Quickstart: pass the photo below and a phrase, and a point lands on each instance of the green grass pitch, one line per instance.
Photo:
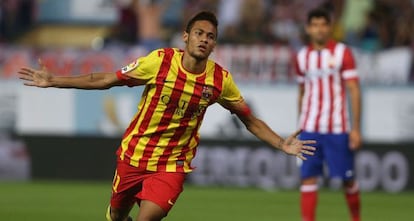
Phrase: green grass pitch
(69, 201)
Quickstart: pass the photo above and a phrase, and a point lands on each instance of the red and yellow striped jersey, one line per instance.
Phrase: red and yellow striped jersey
(163, 134)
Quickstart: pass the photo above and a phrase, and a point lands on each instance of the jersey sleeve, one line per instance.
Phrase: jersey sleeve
(143, 68)
(230, 92)
(349, 71)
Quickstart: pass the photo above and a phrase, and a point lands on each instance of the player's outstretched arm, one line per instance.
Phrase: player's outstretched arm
(261, 130)
(43, 78)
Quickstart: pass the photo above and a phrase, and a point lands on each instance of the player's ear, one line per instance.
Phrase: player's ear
(185, 37)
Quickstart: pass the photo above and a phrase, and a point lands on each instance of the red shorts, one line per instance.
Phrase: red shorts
(131, 186)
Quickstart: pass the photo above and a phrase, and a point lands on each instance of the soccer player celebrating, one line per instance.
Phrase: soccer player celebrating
(326, 70)
(157, 148)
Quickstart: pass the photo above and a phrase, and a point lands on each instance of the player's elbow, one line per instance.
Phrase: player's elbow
(105, 82)
(106, 85)
(97, 85)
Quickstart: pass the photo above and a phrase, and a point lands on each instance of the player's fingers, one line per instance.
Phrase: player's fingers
(31, 84)
(42, 66)
(300, 156)
(311, 148)
(307, 152)
(25, 77)
(28, 70)
(22, 71)
(24, 74)
(308, 141)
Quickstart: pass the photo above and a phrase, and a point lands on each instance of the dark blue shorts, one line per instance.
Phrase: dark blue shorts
(333, 151)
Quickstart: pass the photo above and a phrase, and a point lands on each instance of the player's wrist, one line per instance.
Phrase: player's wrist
(282, 145)
(52, 81)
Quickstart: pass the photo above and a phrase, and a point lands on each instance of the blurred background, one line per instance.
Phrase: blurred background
(72, 135)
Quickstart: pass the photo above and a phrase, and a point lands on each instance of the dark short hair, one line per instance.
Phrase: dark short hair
(319, 13)
(202, 16)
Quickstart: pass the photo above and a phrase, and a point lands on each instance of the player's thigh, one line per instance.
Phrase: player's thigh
(163, 189)
(339, 157)
(150, 211)
(313, 166)
(126, 185)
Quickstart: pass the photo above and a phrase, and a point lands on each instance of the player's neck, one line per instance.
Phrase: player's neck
(193, 65)
(319, 45)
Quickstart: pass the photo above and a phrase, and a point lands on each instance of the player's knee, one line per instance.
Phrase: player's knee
(116, 216)
(151, 216)
(348, 183)
(151, 211)
(310, 181)
(147, 218)
(351, 186)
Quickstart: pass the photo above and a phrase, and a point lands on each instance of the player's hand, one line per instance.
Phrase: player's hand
(355, 140)
(299, 148)
(37, 78)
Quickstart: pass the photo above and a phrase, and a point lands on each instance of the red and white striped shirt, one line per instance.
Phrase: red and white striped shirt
(323, 74)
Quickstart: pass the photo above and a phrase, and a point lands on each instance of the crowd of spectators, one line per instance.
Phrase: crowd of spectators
(370, 24)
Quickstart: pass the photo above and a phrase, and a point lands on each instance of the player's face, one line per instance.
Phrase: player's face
(201, 40)
(319, 30)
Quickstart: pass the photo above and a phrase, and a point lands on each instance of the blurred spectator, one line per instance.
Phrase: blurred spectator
(126, 29)
(354, 18)
(370, 25)
(252, 28)
(388, 24)
(173, 17)
(229, 16)
(16, 17)
(150, 13)
(140, 22)
(173, 21)
(302, 8)
(336, 8)
(404, 20)
(370, 35)
(284, 25)
(193, 6)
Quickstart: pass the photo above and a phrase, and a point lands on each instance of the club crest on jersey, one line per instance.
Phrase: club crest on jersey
(129, 67)
(207, 92)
